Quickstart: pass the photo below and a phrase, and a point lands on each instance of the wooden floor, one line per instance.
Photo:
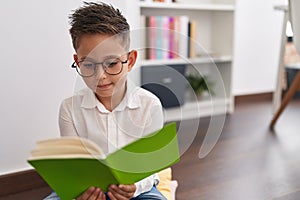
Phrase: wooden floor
(248, 162)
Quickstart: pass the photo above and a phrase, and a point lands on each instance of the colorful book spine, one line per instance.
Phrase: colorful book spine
(159, 37)
(168, 37)
(176, 36)
(171, 37)
(192, 38)
(152, 37)
(183, 39)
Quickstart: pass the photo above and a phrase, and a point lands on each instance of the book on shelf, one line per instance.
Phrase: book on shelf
(171, 47)
(184, 36)
(167, 37)
(159, 38)
(150, 38)
(192, 32)
(70, 165)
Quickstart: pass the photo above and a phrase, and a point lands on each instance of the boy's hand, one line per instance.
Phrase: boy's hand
(92, 194)
(121, 192)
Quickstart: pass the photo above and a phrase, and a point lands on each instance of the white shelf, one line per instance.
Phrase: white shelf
(215, 22)
(190, 110)
(202, 60)
(183, 6)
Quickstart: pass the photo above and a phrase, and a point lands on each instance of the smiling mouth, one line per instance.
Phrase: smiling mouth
(104, 86)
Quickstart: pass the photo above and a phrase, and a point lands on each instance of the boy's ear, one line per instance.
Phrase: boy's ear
(132, 59)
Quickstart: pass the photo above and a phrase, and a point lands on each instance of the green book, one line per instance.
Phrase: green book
(70, 165)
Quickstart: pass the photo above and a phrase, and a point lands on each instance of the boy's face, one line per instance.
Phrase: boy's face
(104, 49)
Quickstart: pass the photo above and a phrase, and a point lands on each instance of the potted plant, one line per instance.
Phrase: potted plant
(200, 85)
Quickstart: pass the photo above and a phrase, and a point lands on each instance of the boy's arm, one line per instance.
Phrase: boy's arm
(155, 118)
(156, 122)
(66, 124)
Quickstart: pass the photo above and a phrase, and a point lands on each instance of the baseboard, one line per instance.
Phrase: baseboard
(20, 182)
(253, 98)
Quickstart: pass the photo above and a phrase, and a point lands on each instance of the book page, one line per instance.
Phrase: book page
(66, 147)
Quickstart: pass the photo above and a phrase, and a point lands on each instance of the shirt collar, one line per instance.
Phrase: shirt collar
(130, 100)
(89, 99)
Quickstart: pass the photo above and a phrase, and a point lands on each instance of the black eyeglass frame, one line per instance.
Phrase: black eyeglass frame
(74, 65)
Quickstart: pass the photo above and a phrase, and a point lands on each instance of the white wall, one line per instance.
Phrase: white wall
(257, 41)
(35, 59)
(36, 55)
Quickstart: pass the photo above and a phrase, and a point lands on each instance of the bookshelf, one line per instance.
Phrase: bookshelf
(185, 6)
(214, 37)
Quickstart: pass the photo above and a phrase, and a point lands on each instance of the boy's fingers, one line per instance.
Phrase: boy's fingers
(92, 194)
(116, 190)
(111, 196)
(96, 195)
(116, 196)
(118, 193)
(128, 188)
(102, 196)
(86, 194)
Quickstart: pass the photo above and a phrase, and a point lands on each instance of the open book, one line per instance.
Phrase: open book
(70, 165)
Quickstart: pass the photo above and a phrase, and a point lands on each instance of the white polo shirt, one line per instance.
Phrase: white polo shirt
(138, 114)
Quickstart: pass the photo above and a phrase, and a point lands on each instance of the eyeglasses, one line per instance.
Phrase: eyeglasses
(88, 68)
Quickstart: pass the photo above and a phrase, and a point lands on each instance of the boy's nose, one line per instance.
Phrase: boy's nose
(100, 73)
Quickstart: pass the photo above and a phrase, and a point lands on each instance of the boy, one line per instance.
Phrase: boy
(110, 111)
